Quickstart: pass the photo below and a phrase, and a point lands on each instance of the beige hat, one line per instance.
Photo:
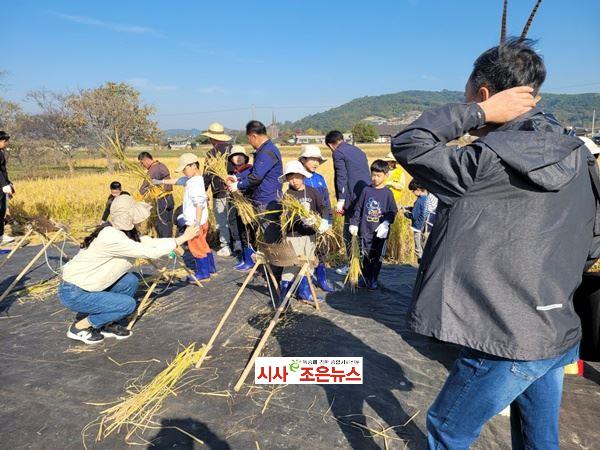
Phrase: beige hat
(238, 150)
(125, 212)
(185, 160)
(294, 167)
(390, 157)
(216, 131)
(591, 145)
(312, 151)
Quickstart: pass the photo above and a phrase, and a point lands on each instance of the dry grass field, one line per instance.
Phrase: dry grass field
(78, 201)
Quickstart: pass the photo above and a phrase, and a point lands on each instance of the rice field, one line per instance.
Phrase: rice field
(78, 201)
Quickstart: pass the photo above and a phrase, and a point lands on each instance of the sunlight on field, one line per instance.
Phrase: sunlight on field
(79, 201)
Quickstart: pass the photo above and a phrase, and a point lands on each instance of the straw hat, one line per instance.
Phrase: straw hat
(216, 131)
(185, 160)
(125, 212)
(389, 157)
(312, 151)
(238, 150)
(294, 167)
(591, 145)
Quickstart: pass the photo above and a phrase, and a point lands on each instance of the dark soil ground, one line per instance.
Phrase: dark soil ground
(46, 380)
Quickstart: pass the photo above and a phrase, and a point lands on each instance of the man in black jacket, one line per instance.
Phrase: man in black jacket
(6, 186)
(515, 231)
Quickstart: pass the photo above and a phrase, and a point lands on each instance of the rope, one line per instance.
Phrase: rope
(169, 283)
(60, 264)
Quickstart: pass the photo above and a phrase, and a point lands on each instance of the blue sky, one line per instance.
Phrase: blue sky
(202, 61)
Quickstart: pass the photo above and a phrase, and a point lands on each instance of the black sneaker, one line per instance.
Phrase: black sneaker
(87, 335)
(115, 330)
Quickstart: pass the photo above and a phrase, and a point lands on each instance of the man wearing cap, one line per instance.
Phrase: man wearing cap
(220, 146)
(164, 204)
(263, 180)
(352, 175)
(7, 188)
(311, 158)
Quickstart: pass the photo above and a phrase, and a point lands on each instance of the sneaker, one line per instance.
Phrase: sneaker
(343, 270)
(237, 247)
(88, 335)
(6, 239)
(224, 251)
(115, 330)
(372, 285)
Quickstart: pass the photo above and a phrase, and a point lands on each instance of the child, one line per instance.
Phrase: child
(194, 213)
(241, 169)
(311, 159)
(115, 191)
(397, 179)
(375, 211)
(418, 216)
(301, 233)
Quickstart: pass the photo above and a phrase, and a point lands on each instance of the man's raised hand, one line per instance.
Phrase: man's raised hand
(509, 104)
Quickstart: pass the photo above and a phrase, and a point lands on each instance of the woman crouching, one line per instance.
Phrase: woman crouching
(97, 283)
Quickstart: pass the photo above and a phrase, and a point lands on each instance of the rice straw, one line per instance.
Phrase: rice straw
(354, 272)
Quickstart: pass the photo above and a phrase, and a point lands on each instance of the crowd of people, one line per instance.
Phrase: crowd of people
(515, 227)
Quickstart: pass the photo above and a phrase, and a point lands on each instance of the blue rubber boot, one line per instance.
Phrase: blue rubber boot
(284, 287)
(202, 268)
(322, 282)
(247, 262)
(304, 293)
(212, 264)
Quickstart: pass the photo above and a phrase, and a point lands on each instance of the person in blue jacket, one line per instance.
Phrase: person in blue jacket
(311, 159)
(263, 180)
(352, 175)
(418, 216)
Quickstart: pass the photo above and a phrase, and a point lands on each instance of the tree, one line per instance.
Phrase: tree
(364, 132)
(114, 108)
(312, 132)
(57, 126)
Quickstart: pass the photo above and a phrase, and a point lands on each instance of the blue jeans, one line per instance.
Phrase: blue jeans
(481, 386)
(102, 307)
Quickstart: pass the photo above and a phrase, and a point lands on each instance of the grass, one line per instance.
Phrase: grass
(78, 201)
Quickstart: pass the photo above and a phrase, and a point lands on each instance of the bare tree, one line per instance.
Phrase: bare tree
(56, 126)
(114, 108)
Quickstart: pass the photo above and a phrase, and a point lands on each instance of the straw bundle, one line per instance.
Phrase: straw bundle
(354, 272)
(41, 290)
(135, 411)
(217, 165)
(293, 210)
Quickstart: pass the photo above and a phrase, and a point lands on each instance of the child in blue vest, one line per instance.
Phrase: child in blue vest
(374, 213)
(311, 159)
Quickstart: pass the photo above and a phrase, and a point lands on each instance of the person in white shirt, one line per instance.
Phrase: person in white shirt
(98, 283)
(194, 213)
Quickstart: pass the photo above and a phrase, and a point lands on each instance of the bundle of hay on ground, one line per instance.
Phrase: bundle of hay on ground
(354, 272)
(217, 165)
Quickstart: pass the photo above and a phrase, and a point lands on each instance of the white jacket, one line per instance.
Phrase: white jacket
(109, 257)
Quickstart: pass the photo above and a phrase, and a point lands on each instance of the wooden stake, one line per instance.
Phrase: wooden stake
(31, 263)
(313, 292)
(17, 246)
(146, 300)
(44, 236)
(227, 313)
(274, 320)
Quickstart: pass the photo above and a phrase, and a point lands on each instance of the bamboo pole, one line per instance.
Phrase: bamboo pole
(274, 320)
(313, 292)
(60, 250)
(16, 247)
(31, 263)
(146, 299)
(227, 313)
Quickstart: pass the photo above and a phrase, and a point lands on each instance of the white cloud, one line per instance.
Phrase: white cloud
(119, 27)
(212, 90)
(147, 85)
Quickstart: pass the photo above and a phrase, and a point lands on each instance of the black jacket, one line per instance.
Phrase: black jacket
(4, 180)
(513, 235)
(219, 190)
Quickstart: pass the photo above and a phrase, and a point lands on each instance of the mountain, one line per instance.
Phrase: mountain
(182, 132)
(570, 109)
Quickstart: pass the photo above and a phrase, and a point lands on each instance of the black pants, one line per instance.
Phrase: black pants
(164, 221)
(371, 262)
(3, 200)
(232, 217)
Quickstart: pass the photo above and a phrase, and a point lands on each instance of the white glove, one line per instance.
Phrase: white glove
(323, 227)
(339, 207)
(353, 230)
(308, 221)
(233, 187)
(7, 189)
(383, 230)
